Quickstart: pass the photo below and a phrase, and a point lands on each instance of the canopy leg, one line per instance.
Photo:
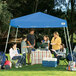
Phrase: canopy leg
(16, 34)
(66, 37)
(7, 39)
(69, 42)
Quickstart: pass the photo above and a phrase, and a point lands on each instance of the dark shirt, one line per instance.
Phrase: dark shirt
(31, 38)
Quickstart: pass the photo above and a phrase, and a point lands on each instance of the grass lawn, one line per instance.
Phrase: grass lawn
(38, 70)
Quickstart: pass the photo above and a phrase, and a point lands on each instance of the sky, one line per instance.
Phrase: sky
(62, 6)
(67, 1)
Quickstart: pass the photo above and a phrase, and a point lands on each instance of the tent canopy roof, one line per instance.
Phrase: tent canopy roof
(38, 20)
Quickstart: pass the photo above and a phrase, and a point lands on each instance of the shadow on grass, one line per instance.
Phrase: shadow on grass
(39, 68)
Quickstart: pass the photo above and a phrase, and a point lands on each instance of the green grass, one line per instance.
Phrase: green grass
(38, 70)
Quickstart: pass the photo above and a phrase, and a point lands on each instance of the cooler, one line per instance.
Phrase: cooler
(49, 62)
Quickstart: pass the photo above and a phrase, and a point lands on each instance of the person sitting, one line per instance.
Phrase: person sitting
(61, 53)
(46, 42)
(72, 56)
(14, 55)
(24, 48)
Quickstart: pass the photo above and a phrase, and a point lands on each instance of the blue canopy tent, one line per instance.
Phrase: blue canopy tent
(38, 20)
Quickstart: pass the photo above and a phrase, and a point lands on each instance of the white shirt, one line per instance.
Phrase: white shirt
(63, 54)
(60, 53)
(46, 42)
(13, 52)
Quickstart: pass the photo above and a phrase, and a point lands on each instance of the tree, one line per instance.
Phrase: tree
(5, 17)
(69, 15)
(20, 7)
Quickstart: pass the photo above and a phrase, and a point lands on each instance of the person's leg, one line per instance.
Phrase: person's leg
(55, 55)
(58, 59)
(29, 53)
(23, 59)
(17, 58)
(28, 58)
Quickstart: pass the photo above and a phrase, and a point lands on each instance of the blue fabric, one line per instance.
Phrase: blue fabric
(18, 51)
(24, 58)
(3, 58)
(38, 20)
(69, 57)
(19, 58)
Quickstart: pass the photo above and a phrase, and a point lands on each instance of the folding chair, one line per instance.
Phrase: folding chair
(65, 59)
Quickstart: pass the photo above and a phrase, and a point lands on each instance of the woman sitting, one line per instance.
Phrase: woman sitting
(14, 55)
(46, 42)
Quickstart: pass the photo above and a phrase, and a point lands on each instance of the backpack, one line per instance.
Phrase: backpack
(71, 66)
(7, 64)
(3, 58)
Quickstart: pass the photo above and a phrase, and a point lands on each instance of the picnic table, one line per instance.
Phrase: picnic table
(37, 56)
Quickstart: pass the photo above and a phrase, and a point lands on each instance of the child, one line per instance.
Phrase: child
(60, 53)
(14, 55)
(63, 50)
(24, 48)
(46, 41)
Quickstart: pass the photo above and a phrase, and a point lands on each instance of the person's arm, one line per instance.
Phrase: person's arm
(10, 52)
(58, 42)
(34, 42)
(16, 53)
(28, 40)
(64, 50)
(29, 43)
(25, 46)
(52, 41)
(48, 44)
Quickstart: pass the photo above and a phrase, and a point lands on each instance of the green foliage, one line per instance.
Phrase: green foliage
(5, 17)
(20, 7)
(16, 8)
